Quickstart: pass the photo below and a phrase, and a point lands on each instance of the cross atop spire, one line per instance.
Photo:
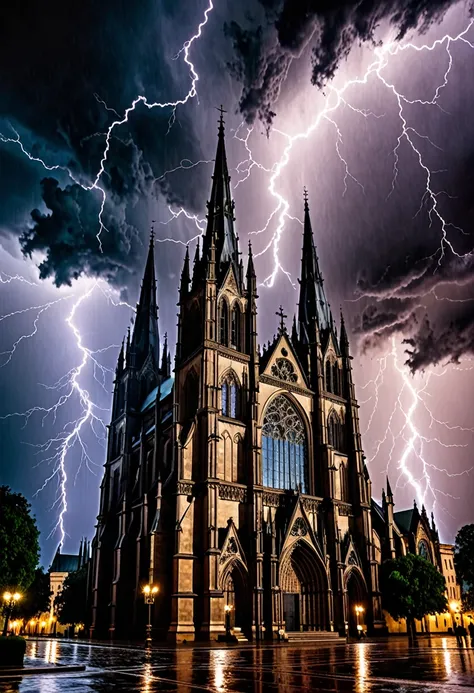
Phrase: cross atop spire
(221, 119)
(282, 316)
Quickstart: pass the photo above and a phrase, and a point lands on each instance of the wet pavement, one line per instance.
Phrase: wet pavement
(367, 667)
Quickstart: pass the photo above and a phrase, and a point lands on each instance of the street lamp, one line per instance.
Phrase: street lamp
(149, 594)
(359, 611)
(227, 608)
(454, 606)
(10, 599)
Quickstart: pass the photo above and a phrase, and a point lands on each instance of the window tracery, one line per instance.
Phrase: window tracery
(284, 447)
(235, 327)
(284, 370)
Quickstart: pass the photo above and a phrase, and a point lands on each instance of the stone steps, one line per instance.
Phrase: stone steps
(312, 636)
(238, 635)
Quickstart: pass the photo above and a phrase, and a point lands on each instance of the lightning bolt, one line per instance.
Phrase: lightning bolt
(121, 120)
(414, 441)
(335, 100)
(54, 451)
(69, 386)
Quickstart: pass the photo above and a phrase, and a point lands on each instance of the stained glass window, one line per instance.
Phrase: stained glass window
(284, 448)
(423, 550)
(229, 397)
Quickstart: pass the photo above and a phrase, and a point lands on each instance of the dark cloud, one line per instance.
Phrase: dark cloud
(264, 52)
(58, 68)
(442, 343)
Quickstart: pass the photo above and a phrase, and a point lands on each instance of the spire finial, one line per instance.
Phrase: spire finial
(282, 317)
(221, 118)
(152, 233)
(305, 198)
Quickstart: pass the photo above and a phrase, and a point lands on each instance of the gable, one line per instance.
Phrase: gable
(282, 363)
(229, 285)
(299, 529)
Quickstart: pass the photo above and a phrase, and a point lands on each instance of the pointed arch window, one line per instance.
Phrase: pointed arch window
(191, 395)
(284, 447)
(335, 432)
(223, 323)
(229, 397)
(328, 376)
(235, 327)
(336, 379)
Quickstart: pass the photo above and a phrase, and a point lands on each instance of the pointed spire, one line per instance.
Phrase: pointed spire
(343, 339)
(80, 561)
(185, 275)
(313, 304)
(145, 338)
(220, 210)
(294, 332)
(164, 358)
(120, 361)
(250, 266)
(127, 351)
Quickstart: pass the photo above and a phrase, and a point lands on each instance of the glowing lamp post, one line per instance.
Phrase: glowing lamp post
(149, 594)
(227, 608)
(454, 606)
(10, 599)
(359, 610)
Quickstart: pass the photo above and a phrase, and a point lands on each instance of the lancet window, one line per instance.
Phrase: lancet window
(223, 323)
(229, 396)
(335, 432)
(235, 327)
(284, 447)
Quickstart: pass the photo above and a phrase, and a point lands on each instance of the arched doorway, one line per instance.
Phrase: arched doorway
(304, 588)
(356, 602)
(236, 595)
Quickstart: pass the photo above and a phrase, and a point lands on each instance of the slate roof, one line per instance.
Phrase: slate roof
(166, 388)
(64, 563)
(404, 519)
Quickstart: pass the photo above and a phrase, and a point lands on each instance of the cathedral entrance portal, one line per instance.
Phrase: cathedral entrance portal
(236, 597)
(304, 587)
(356, 603)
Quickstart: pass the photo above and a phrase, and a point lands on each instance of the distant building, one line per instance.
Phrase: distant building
(238, 482)
(62, 565)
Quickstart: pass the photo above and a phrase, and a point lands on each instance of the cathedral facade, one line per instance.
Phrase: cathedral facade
(237, 484)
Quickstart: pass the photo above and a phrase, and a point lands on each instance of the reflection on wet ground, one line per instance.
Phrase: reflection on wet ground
(368, 667)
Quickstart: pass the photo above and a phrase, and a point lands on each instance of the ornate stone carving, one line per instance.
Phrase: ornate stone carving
(310, 505)
(344, 509)
(284, 370)
(352, 560)
(272, 499)
(231, 549)
(185, 489)
(299, 528)
(234, 493)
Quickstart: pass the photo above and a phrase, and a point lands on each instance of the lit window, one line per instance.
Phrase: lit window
(284, 449)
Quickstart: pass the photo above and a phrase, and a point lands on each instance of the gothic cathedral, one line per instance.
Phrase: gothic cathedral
(239, 481)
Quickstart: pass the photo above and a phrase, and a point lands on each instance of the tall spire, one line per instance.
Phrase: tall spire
(185, 275)
(220, 211)
(120, 361)
(343, 339)
(145, 338)
(313, 304)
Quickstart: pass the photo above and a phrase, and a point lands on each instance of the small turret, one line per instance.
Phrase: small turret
(185, 276)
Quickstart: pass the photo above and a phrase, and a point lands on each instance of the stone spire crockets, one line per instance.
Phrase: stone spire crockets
(313, 304)
(146, 339)
(220, 212)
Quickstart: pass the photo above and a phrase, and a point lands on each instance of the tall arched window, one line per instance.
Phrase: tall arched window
(224, 323)
(328, 376)
(335, 432)
(191, 395)
(284, 447)
(336, 379)
(229, 397)
(235, 327)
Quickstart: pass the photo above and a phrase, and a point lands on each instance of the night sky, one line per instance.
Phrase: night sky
(339, 97)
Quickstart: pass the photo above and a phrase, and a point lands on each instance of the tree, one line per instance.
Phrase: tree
(19, 546)
(71, 602)
(412, 588)
(37, 598)
(464, 555)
